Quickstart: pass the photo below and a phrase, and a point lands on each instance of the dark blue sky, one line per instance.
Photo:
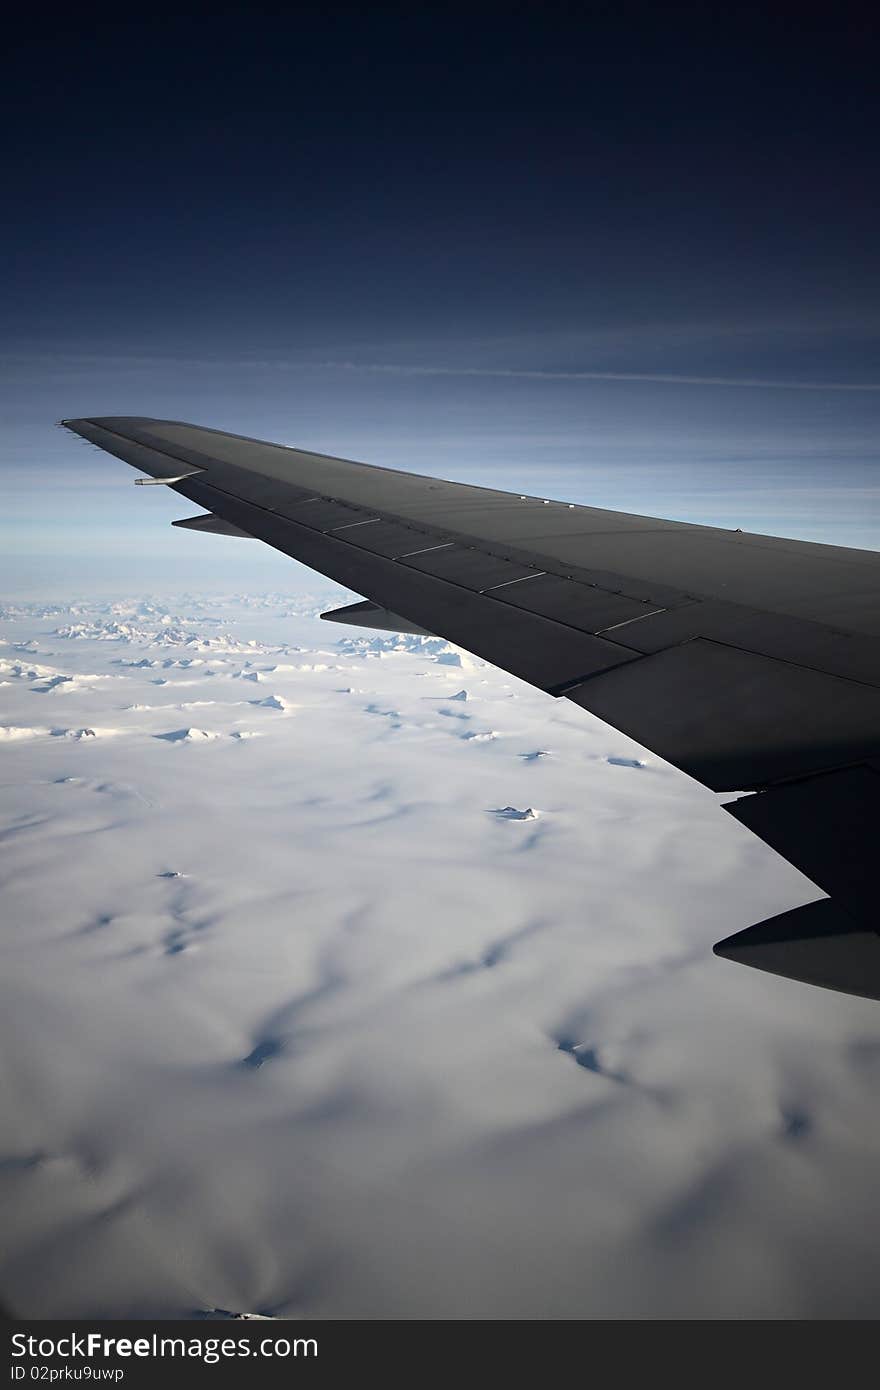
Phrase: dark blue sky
(484, 243)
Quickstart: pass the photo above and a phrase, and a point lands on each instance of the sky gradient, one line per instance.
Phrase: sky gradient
(625, 259)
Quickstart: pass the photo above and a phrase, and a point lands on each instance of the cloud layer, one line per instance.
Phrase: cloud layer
(322, 1021)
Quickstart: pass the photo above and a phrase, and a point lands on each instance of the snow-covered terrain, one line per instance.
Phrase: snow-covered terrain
(344, 975)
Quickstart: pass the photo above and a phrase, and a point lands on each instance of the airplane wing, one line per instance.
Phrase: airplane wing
(750, 662)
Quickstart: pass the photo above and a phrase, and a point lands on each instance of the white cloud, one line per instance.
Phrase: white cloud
(323, 1022)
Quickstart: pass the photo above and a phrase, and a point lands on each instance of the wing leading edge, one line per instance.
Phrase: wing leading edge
(750, 662)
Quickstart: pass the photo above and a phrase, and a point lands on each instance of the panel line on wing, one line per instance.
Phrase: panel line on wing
(428, 548)
(640, 618)
(507, 582)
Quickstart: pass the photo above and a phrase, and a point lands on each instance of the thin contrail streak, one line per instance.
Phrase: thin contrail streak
(73, 359)
(663, 378)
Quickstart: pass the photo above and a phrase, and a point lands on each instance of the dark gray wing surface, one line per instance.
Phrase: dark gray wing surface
(751, 662)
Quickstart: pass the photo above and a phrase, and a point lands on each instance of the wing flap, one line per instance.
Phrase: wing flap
(536, 649)
(795, 640)
(734, 720)
(584, 606)
(393, 539)
(473, 569)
